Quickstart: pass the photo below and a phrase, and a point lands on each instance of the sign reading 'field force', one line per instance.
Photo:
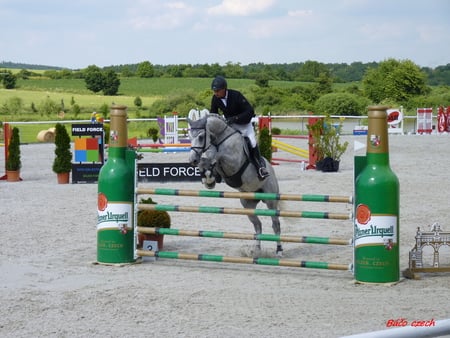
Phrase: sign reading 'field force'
(167, 172)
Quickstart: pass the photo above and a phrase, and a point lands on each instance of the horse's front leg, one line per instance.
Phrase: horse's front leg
(206, 169)
(277, 231)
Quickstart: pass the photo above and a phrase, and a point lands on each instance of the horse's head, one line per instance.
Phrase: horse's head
(200, 139)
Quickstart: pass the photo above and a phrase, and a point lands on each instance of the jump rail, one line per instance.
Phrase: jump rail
(244, 236)
(246, 195)
(245, 260)
(246, 211)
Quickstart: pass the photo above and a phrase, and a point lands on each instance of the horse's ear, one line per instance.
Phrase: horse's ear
(204, 112)
(193, 115)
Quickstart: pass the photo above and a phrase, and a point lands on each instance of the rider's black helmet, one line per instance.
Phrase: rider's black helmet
(218, 83)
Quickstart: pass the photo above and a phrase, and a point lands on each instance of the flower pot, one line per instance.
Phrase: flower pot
(13, 176)
(319, 165)
(151, 237)
(330, 165)
(63, 178)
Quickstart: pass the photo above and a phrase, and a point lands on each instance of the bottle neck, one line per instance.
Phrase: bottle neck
(377, 137)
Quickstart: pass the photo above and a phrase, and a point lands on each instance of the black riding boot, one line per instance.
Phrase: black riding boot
(259, 163)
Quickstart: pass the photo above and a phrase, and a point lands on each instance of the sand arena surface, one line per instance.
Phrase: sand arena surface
(49, 285)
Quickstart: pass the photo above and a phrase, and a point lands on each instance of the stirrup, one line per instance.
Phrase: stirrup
(263, 173)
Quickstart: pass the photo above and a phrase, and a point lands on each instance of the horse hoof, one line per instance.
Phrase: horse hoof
(210, 185)
(256, 252)
(279, 251)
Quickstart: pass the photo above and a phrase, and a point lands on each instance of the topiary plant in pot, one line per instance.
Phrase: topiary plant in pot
(265, 144)
(13, 161)
(152, 219)
(62, 164)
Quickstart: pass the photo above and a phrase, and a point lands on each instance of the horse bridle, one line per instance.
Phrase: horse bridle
(199, 150)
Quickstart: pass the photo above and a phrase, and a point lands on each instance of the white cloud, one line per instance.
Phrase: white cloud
(300, 13)
(295, 23)
(159, 15)
(240, 8)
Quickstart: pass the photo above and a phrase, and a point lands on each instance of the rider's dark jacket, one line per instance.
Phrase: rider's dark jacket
(238, 109)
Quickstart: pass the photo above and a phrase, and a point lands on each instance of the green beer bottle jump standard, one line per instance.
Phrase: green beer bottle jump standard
(376, 228)
(115, 230)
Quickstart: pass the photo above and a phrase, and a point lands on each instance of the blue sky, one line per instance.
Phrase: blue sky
(79, 33)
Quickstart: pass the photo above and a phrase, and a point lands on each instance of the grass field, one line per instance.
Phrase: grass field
(29, 132)
(36, 91)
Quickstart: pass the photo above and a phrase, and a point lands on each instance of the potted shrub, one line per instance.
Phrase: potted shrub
(265, 144)
(13, 161)
(62, 164)
(326, 144)
(152, 219)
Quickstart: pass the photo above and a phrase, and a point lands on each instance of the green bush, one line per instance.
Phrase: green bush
(265, 144)
(153, 133)
(276, 131)
(153, 218)
(341, 104)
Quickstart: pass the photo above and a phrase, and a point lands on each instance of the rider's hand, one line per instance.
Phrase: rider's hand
(232, 119)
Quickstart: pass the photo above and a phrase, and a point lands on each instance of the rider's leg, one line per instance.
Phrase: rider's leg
(258, 162)
(255, 156)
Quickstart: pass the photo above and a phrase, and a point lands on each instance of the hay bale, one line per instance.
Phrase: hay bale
(46, 136)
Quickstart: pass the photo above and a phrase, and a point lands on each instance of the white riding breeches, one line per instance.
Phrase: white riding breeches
(247, 131)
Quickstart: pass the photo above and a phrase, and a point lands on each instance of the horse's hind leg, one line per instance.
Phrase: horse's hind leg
(277, 231)
(258, 230)
(276, 226)
(257, 225)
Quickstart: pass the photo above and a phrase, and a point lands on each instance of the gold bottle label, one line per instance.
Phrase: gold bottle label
(118, 136)
(377, 138)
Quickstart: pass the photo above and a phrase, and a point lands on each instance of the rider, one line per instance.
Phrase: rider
(238, 113)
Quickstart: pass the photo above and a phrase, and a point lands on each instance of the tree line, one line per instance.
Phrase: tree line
(391, 82)
(306, 71)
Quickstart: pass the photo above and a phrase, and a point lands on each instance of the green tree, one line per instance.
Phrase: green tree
(145, 69)
(94, 78)
(233, 70)
(324, 83)
(49, 107)
(341, 104)
(9, 80)
(111, 83)
(104, 110)
(262, 81)
(138, 101)
(395, 81)
(311, 70)
(13, 106)
(76, 110)
(126, 72)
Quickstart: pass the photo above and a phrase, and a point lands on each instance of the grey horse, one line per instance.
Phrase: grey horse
(221, 152)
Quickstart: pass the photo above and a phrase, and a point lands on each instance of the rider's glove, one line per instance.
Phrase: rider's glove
(232, 119)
